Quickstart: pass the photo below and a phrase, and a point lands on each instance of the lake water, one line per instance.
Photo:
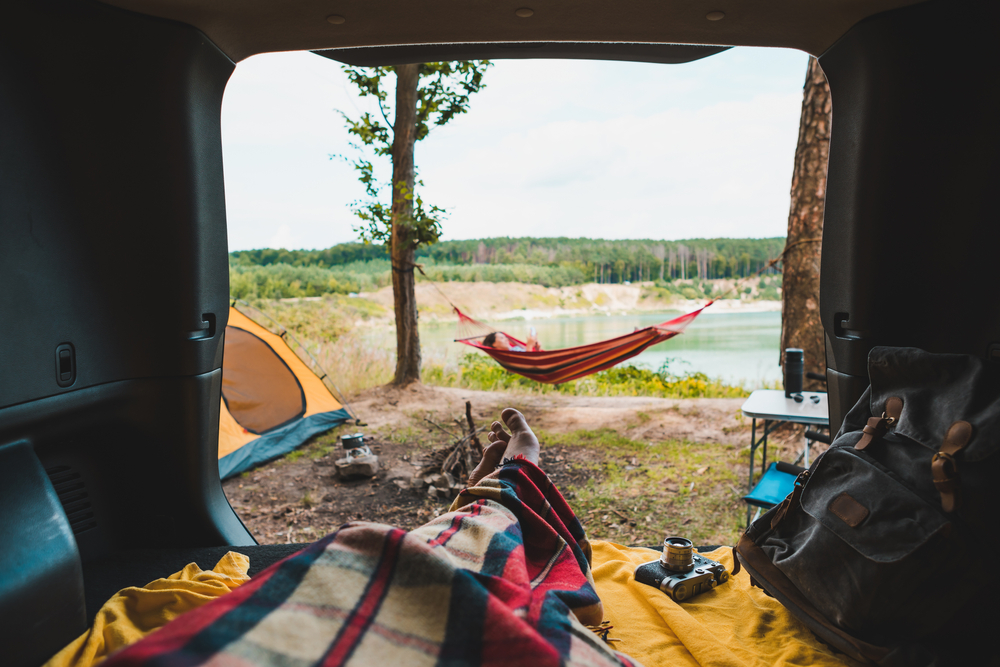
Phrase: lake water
(740, 348)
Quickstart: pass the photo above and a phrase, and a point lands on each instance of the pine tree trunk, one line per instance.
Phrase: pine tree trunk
(402, 249)
(800, 318)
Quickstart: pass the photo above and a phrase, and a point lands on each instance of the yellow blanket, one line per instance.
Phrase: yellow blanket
(734, 625)
(134, 612)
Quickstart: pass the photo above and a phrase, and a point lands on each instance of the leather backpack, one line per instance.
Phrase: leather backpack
(886, 548)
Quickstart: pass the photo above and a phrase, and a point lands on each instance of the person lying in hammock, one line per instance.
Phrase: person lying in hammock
(499, 341)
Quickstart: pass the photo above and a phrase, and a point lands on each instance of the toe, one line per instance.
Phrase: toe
(515, 421)
(499, 433)
(492, 456)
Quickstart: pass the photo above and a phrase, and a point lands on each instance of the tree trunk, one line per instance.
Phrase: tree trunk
(402, 249)
(800, 318)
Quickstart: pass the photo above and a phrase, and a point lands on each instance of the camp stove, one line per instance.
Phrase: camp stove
(354, 446)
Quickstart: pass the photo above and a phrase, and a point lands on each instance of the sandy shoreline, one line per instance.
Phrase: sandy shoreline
(518, 301)
(718, 308)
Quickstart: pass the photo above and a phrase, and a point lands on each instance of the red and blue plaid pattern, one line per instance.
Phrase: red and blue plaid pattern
(492, 583)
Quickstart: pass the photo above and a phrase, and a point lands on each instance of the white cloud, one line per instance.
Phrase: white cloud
(284, 238)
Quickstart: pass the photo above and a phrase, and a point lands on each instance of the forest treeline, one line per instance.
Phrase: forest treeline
(551, 262)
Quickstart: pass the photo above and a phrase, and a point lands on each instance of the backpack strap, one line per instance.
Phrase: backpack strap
(792, 500)
(944, 469)
(877, 426)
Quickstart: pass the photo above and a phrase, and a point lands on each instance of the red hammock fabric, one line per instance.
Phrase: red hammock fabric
(571, 363)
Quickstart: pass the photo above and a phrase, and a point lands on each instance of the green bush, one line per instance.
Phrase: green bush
(283, 281)
(770, 293)
(477, 371)
(547, 276)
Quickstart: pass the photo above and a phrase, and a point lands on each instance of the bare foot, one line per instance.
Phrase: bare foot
(520, 441)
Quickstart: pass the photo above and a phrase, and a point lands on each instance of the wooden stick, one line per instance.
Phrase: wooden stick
(442, 428)
(472, 428)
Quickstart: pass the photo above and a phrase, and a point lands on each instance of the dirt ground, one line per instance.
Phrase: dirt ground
(632, 467)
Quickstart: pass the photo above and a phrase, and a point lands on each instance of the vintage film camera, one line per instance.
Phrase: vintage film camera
(681, 573)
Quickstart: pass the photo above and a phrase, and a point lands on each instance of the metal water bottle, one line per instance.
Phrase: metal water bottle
(794, 370)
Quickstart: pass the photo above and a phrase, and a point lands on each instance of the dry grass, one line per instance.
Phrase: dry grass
(357, 360)
(341, 333)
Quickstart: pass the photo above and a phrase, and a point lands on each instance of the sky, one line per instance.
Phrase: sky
(549, 148)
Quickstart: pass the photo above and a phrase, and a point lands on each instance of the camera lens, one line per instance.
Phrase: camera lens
(677, 554)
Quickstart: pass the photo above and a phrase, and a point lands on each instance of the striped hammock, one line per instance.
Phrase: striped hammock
(571, 363)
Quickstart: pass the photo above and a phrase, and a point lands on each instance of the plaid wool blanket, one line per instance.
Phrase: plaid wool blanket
(493, 582)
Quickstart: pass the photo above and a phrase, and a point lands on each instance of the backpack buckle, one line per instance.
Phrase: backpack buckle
(877, 426)
(944, 468)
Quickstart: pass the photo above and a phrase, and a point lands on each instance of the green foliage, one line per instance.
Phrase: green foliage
(570, 261)
(619, 260)
(443, 92)
(340, 254)
(477, 371)
(253, 274)
(282, 281)
(770, 293)
(556, 276)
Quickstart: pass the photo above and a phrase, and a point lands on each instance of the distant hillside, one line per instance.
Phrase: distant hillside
(618, 261)
(583, 260)
(549, 262)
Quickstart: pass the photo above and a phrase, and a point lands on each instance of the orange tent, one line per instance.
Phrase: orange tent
(272, 401)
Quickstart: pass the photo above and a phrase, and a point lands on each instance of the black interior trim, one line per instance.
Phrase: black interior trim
(668, 54)
(41, 587)
(910, 228)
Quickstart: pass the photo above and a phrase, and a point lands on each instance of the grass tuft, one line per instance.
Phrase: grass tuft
(477, 371)
(634, 492)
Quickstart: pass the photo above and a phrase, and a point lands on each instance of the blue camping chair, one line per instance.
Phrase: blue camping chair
(774, 485)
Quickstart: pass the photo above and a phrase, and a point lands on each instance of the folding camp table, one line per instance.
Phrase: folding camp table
(773, 409)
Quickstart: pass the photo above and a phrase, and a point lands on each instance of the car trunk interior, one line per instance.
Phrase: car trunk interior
(114, 257)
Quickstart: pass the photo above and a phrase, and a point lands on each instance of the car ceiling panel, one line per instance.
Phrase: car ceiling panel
(243, 28)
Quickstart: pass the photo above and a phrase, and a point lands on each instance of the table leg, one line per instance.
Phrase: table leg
(763, 455)
(754, 444)
(753, 447)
